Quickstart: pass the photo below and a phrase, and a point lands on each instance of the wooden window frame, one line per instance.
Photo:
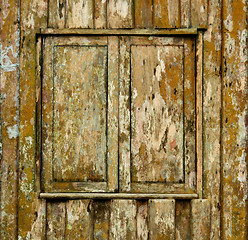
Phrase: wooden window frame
(198, 34)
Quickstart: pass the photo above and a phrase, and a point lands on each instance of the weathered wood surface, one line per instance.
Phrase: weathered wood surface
(56, 13)
(113, 112)
(199, 13)
(56, 220)
(79, 113)
(234, 120)
(79, 13)
(128, 14)
(101, 219)
(161, 219)
(157, 113)
(182, 219)
(157, 126)
(100, 15)
(120, 14)
(141, 196)
(33, 15)
(124, 116)
(185, 13)
(119, 32)
(212, 115)
(166, 14)
(224, 110)
(9, 107)
(143, 14)
(123, 219)
(79, 219)
(190, 115)
(200, 219)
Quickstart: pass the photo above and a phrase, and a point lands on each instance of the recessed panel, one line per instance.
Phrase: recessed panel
(79, 113)
(157, 100)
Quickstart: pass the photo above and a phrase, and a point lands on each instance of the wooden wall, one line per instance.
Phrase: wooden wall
(100, 14)
(222, 216)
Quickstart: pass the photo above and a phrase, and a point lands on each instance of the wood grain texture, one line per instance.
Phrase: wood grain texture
(182, 221)
(123, 219)
(101, 219)
(79, 219)
(142, 220)
(234, 120)
(79, 113)
(212, 115)
(79, 13)
(33, 15)
(47, 114)
(199, 13)
(190, 114)
(157, 113)
(141, 196)
(161, 219)
(124, 116)
(118, 32)
(120, 14)
(113, 91)
(56, 220)
(199, 113)
(9, 107)
(143, 14)
(166, 14)
(200, 222)
(100, 15)
(185, 13)
(56, 13)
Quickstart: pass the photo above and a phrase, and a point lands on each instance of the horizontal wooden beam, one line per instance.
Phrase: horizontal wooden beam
(116, 196)
(184, 31)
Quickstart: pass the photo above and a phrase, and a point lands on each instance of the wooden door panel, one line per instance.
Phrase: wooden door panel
(74, 113)
(157, 114)
(79, 121)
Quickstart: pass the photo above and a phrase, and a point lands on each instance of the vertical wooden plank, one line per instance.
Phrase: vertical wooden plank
(185, 13)
(234, 120)
(200, 219)
(189, 114)
(100, 16)
(56, 13)
(79, 13)
(79, 219)
(9, 125)
(143, 14)
(142, 220)
(47, 114)
(199, 75)
(211, 114)
(166, 14)
(101, 219)
(161, 219)
(122, 219)
(199, 13)
(124, 116)
(56, 220)
(39, 225)
(33, 15)
(182, 221)
(120, 14)
(113, 91)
